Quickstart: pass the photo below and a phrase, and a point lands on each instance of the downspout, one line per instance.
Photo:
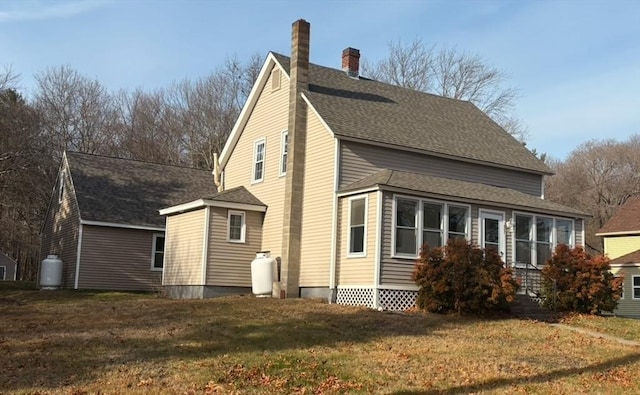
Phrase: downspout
(377, 256)
(77, 279)
(205, 245)
(334, 225)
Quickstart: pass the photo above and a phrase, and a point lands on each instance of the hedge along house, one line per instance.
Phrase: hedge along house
(103, 221)
(622, 245)
(356, 175)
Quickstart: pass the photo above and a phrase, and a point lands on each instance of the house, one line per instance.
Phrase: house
(103, 222)
(354, 175)
(622, 245)
(8, 268)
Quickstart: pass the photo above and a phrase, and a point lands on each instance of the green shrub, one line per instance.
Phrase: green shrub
(584, 283)
(463, 279)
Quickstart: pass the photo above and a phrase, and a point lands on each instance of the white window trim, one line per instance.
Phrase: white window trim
(242, 229)
(420, 220)
(534, 236)
(282, 161)
(633, 287)
(259, 141)
(153, 252)
(61, 188)
(366, 227)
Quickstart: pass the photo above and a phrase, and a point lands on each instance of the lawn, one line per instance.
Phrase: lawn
(80, 342)
(625, 328)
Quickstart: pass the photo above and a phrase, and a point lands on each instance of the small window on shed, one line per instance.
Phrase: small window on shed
(275, 80)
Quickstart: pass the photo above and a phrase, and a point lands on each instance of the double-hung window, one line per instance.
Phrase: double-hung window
(259, 151)
(284, 151)
(357, 226)
(432, 214)
(157, 257)
(419, 222)
(236, 227)
(635, 287)
(536, 237)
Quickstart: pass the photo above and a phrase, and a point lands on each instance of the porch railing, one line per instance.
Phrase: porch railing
(532, 281)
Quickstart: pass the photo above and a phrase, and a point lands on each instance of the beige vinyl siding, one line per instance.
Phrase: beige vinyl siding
(268, 119)
(627, 306)
(61, 230)
(356, 270)
(229, 264)
(117, 259)
(183, 248)
(617, 246)
(317, 208)
(360, 160)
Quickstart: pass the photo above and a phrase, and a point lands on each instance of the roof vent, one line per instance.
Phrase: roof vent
(351, 62)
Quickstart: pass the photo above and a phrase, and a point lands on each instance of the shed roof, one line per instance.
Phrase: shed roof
(130, 192)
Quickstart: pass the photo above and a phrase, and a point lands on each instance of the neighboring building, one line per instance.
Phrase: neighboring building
(8, 268)
(103, 220)
(622, 245)
(355, 176)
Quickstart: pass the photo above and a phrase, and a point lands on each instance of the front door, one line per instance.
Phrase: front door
(492, 234)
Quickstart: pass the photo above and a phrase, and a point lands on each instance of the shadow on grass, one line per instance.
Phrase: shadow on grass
(78, 337)
(539, 378)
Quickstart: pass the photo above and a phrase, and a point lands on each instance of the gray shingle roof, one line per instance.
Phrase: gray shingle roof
(131, 192)
(236, 195)
(446, 187)
(382, 113)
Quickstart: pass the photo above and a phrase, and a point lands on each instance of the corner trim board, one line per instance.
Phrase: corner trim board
(78, 251)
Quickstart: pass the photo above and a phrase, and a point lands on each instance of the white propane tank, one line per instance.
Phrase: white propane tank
(262, 274)
(51, 273)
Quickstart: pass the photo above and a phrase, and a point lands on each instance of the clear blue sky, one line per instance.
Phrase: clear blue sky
(576, 63)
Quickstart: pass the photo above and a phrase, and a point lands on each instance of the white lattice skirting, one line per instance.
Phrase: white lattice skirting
(397, 300)
(356, 297)
(388, 299)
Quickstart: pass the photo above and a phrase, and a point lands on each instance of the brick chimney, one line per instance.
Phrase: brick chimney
(294, 183)
(351, 62)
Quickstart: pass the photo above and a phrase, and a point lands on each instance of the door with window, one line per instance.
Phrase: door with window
(492, 234)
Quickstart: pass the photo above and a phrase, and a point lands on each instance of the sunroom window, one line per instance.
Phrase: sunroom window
(357, 231)
(535, 243)
(419, 222)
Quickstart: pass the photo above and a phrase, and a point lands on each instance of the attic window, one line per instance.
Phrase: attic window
(275, 80)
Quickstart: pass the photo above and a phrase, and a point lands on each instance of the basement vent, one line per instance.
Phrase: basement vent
(275, 80)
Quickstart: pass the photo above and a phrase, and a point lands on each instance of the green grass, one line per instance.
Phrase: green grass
(89, 342)
(625, 328)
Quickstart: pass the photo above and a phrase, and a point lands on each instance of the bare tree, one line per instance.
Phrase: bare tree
(450, 73)
(77, 111)
(597, 177)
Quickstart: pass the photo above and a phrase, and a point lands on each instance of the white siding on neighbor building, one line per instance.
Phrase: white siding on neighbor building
(229, 263)
(317, 207)
(268, 120)
(360, 160)
(356, 270)
(183, 248)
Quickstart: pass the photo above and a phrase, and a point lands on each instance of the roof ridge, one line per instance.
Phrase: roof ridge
(385, 83)
(134, 160)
